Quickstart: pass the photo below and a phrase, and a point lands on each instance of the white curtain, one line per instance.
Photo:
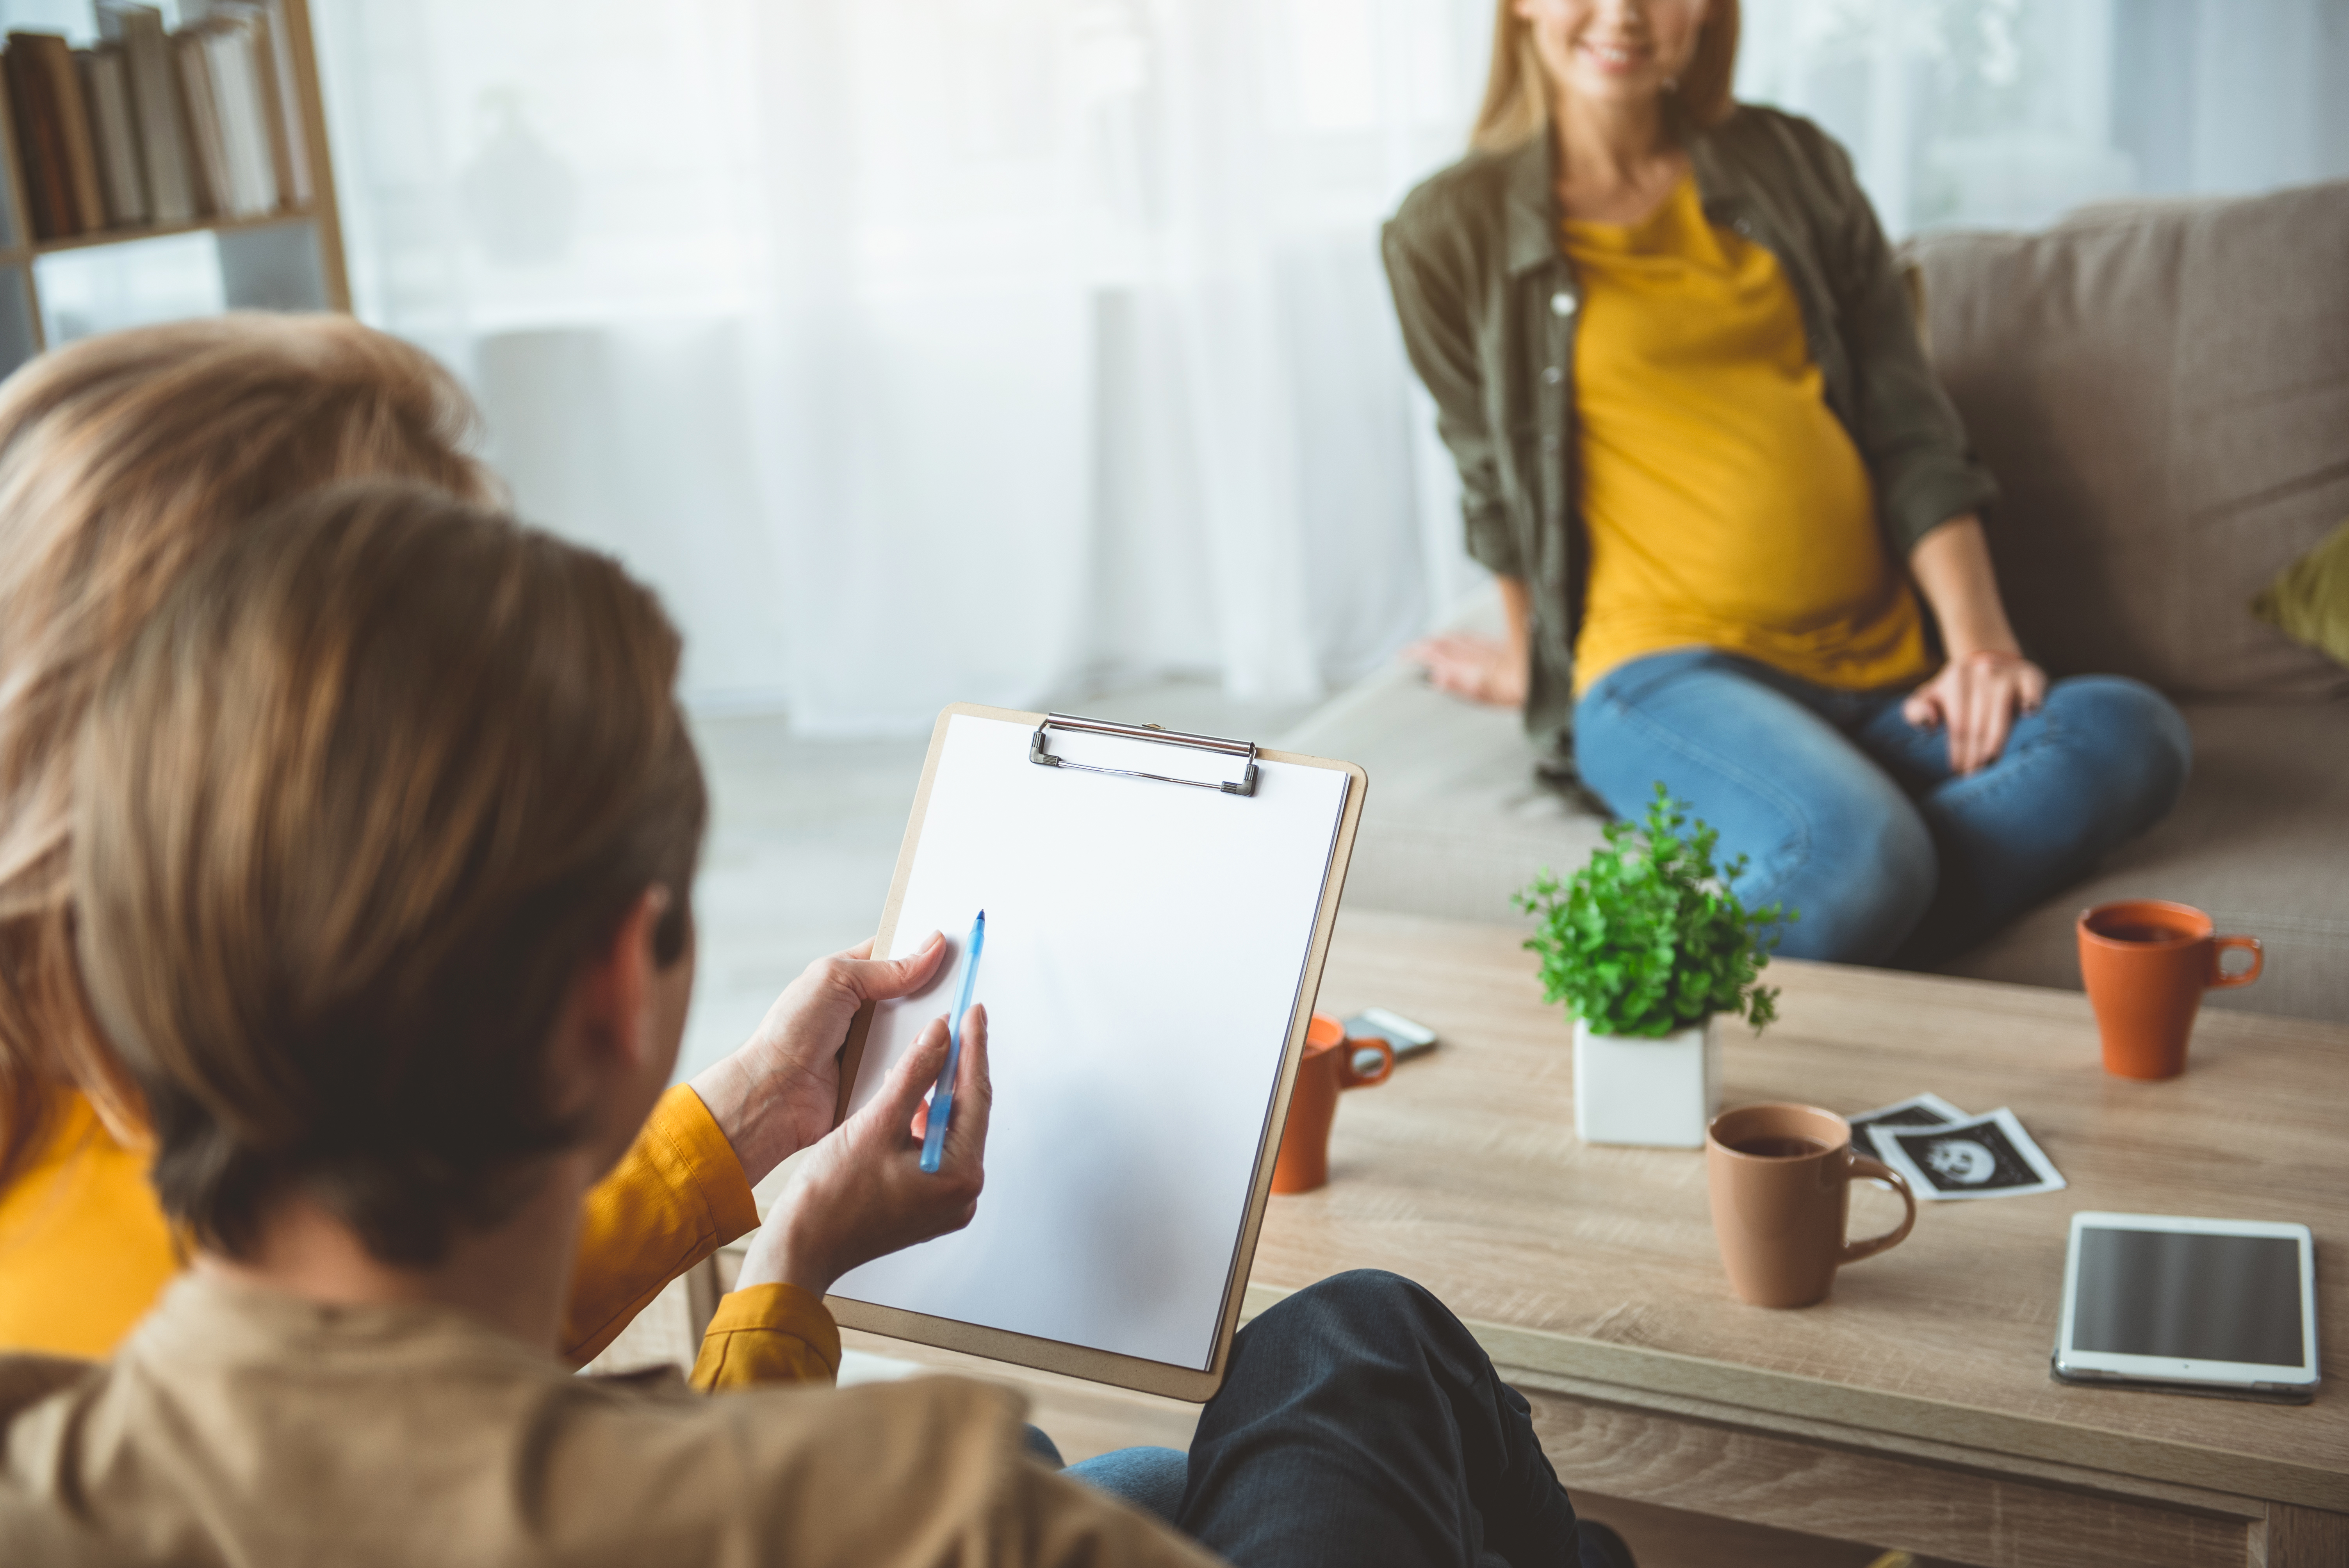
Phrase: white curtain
(921, 350)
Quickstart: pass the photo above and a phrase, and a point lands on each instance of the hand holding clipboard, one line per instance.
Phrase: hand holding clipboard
(869, 1187)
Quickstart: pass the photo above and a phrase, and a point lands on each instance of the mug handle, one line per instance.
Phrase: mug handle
(1351, 1077)
(2223, 981)
(1863, 1168)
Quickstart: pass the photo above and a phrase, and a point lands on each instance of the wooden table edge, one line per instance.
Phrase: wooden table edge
(1988, 1434)
(1893, 1448)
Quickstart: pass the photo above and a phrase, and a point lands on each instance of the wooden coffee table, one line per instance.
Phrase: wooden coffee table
(1913, 1407)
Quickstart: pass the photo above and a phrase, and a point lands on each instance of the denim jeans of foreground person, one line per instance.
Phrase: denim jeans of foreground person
(1850, 814)
(1359, 1425)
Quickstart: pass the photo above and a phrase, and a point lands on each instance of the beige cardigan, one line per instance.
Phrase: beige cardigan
(238, 1426)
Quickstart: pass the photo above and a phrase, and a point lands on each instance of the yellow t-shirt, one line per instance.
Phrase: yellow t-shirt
(1725, 504)
(85, 1249)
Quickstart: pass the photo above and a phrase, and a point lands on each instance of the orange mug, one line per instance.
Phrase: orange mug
(2146, 964)
(1780, 1179)
(1328, 1066)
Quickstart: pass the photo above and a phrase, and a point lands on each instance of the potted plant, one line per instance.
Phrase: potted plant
(1646, 946)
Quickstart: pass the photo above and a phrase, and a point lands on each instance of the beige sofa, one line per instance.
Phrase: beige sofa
(2162, 388)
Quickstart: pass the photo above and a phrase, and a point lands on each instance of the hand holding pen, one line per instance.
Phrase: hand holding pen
(859, 1192)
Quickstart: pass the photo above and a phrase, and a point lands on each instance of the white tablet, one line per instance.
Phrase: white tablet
(2195, 1306)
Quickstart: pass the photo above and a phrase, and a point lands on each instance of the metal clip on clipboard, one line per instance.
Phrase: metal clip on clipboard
(1040, 753)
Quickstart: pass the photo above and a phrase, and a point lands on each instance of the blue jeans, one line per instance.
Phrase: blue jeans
(1360, 1423)
(1851, 814)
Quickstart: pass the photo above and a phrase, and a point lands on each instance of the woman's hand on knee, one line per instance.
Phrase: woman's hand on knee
(1482, 669)
(1976, 698)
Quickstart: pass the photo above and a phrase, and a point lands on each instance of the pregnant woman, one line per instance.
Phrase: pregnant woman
(1700, 447)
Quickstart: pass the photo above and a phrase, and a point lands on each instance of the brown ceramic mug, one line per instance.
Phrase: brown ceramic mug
(2146, 963)
(1781, 1179)
(1328, 1066)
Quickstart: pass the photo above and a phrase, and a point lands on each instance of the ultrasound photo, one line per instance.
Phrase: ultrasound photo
(1983, 1157)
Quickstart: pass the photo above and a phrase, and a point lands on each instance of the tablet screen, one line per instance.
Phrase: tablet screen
(2188, 1296)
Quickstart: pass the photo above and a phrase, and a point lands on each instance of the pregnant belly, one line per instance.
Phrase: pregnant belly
(1770, 529)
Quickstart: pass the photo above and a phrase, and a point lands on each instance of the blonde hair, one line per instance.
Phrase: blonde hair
(120, 458)
(380, 775)
(1516, 90)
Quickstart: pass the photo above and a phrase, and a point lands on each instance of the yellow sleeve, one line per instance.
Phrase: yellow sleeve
(84, 1247)
(768, 1333)
(677, 1196)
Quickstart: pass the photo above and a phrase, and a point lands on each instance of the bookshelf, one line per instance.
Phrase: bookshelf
(55, 290)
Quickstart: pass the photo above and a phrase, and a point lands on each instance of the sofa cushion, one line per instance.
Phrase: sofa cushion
(2309, 600)
(2162, 389)
(1456, 820)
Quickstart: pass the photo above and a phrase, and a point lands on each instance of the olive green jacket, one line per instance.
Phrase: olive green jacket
(1488, 305)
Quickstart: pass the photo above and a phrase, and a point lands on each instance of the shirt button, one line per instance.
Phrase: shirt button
(1562, 304)
(1553, 376)
(1744, 226)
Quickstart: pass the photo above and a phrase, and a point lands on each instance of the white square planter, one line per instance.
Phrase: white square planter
(1662, 1092)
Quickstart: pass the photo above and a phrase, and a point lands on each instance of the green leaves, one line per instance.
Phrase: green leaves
(1649, 938)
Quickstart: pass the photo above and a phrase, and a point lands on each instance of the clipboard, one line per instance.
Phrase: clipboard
(1094, 771)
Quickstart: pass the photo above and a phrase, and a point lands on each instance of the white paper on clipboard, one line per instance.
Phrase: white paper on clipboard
(1145, 944)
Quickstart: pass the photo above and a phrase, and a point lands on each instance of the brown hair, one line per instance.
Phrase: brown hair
(1517, 91)
(374, 782)
(120, 457)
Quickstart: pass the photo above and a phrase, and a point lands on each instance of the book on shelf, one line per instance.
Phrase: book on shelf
(106, 87)
(60, 157)
(40, 152)
(157, 127)
(209, 161)
(41, 129)
(81, 148)
(233, 50)
(156, 109)
(267, 59)
(285, 116)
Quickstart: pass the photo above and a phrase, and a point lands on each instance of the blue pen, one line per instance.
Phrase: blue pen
(934, 1142)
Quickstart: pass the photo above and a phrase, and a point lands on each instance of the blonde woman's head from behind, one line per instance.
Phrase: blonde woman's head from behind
(121, 456)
